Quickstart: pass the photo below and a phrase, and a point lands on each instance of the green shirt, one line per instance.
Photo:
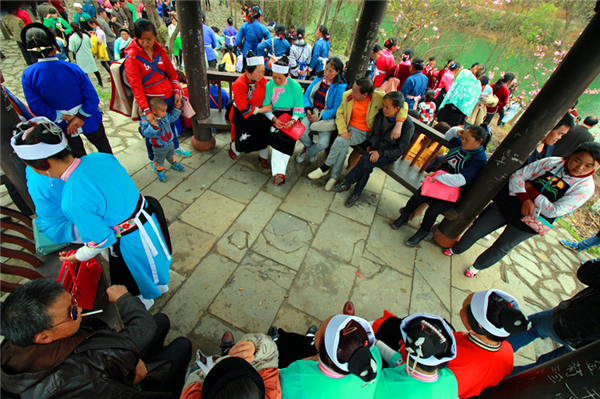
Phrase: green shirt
(287, 97)
(54, 24)
(304, 380)
(395, 380)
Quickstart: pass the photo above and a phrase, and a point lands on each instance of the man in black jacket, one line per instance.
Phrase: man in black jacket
(383, 150)
(574, 323)
(49, 354)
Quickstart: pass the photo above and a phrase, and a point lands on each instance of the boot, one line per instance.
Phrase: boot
(417, 238)
(401, 221)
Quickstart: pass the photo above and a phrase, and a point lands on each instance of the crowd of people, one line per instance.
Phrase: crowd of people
(90, 199)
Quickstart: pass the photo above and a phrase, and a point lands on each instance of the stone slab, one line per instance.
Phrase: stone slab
(322, 285)
(424, 299)
(525, 289)
(568, 283)
(212, 213)
(393, 185)
(340, 237)
(291, 319)
(458, 297)
(253, 294)
(175, 281)
(390, 204)
(207, 334)
(308, 201)
(239, 183)
(376, 181)
(386, 246)
(393, 294)
(524, 261)
(245, 230)
(285, 239)
(484, 278)
(190, 245)
(363, 211)
(143, 178)
(435, 269)
(172, 208)
(197, 292)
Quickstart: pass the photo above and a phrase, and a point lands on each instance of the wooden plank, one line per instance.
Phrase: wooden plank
(20, 271)
(10, 225)
(216, 120)
(17, 215)
(20, 241)
(14, 254)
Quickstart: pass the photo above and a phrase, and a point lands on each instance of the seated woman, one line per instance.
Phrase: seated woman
(383, 149)
(285, 95)
(462, 164)
(347, 365)
(545, 148)
(422, 373)
(249, 127)
(101, 200)
(547, 189)
(321, 101)
(489, 317)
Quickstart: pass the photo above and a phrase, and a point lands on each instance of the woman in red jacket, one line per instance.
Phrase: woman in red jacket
(250, 129)
(151, 74)
(501, 91)
(385, 61)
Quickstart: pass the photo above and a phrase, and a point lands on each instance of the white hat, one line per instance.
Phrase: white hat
(479, 307)
(332, 336)
(37, 151)
(256, 60)
(416, 355)
(280, 69)
(77, 5)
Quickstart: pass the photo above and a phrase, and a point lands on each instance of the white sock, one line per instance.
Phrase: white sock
(264, 153)
(232, 146)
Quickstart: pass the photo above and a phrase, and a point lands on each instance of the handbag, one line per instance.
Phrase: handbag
(438, 190)
(295, 131)
(538, 223)
(186, 108)
(81, 279)
(44, 245)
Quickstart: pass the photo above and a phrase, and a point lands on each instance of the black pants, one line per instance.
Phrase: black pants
(489, 220)
(489, 117)
(98, 139)
(292, 347)
(451, 115)
(179, 352)
(436, 207)
(362, 171)
(29, 59)
(110, 48)
(106, 65)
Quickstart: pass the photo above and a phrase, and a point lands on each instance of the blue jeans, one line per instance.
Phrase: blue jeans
(589, 242)
(541, 327)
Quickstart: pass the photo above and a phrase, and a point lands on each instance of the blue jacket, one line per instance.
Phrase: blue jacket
(265, 48)
(161, 136)
(320, 50)
(51, 86)
(229, 32)
(250, 35)
(210, 42)
(89, 9)
(214, 93)
(333, 99)
(415, 85)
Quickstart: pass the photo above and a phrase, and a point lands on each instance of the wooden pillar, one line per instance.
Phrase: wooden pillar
(366, 37)
(194, 58)
(12, 166)
(574, 74)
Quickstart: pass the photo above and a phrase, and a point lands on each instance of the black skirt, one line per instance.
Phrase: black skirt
(279, 140)
(451, 115)
(252, 133)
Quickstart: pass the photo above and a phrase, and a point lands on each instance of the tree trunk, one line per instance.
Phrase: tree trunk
(337, 10)
(285, 12)
(172, 41)
(359, 7)
(153, 16)
(306, 11)
(322, 13)
(278, 11)
(327, 12)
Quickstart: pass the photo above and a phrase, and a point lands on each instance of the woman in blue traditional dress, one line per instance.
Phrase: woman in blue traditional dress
(105, 206)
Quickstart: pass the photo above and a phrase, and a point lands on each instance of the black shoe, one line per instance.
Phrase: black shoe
(417, 238)
(401, 221)
(273, 333)
(312, 330)
(343, 186)
(352, 200)
(226, 343)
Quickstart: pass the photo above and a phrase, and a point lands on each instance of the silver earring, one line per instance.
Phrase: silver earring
(49, 177)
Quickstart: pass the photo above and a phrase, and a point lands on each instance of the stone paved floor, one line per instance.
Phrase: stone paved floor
(248, 254)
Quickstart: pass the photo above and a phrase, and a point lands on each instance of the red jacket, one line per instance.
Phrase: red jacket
(503, 93)
(145, 81)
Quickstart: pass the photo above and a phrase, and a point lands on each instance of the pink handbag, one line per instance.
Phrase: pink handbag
(439, 190)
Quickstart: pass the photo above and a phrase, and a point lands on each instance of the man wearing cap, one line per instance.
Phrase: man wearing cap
(75, 110)
(81, 18)
(48, 351)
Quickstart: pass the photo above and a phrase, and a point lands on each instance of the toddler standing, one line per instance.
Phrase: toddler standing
(427, 108)
(161, 136)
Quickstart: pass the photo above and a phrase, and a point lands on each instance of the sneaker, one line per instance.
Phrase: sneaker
(471, 272)
(302, 156)
(401, 221)
(279, 179)
(317, 174)
(312, 330)
(183, 152)
(343, 186)
(153, 166)
(161, 176)
(312, 159)
(227, 342)
(448, 252)
(573, 246)
(330, 184)
(178, 167)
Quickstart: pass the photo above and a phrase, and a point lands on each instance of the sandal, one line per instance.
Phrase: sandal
(448, 252)
(279, 179)
(471, 272)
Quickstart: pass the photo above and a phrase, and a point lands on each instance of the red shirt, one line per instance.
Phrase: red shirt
(502, 93)
(476, 368)
(385, 61)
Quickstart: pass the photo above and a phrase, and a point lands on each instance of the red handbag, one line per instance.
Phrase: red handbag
(81, 279)
(296, 130)
(439, 190)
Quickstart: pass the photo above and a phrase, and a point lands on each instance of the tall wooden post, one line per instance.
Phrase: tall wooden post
(574, 74)
(366, 37)
(192, 42)
(12, 166)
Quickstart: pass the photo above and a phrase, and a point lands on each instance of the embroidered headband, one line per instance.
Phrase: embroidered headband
(30, 152)
(332, 336)
(280, 69)
(252, 61)
(417, 357)
(479, 307)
